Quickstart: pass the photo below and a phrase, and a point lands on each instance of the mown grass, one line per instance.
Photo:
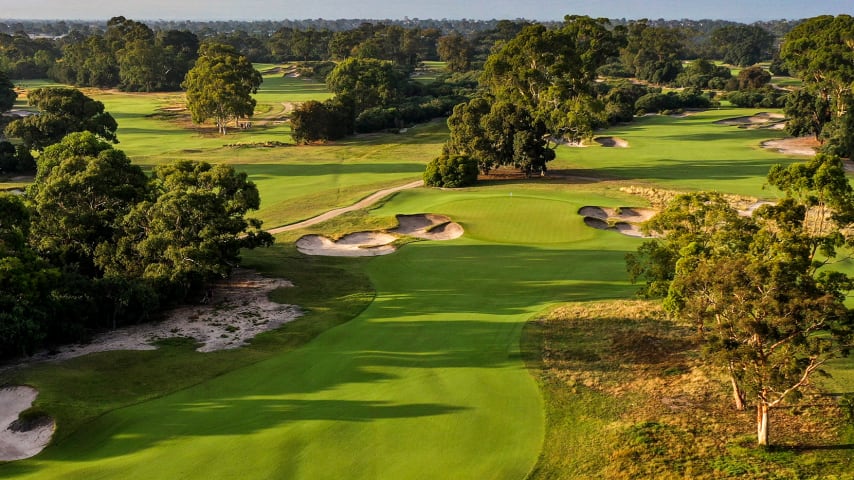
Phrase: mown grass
(684, 153)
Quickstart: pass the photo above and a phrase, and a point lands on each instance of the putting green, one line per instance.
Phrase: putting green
(426, 383)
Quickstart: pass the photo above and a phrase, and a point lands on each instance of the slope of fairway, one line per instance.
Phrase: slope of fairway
(684, 153)
(427, 383)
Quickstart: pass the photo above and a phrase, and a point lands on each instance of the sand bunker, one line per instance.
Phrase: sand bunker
(760, 120)
(428, 226)
(611, 142)
(793, 146)
(360, 244)
(624, 220)
(425, 226)
(239, 310)
(21, 440)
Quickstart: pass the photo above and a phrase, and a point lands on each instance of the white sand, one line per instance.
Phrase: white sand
(17, 445)
(425, 226)
(240, 310)
(624, 220)
(793, 146)
(616, 142)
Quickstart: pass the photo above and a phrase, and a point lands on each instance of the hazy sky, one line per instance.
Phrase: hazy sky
(741, 10)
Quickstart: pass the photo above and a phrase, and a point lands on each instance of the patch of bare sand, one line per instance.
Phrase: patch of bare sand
(19, 440)
(616, 142)
(793, 146)
(360, 244)
(239, 310)
(428, 226)
(425, 226)
(624, 220)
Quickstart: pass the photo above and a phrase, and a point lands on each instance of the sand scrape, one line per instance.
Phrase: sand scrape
(424, 226)
(19, 440)
(615, 142)
(238, 310)
(624, 220)
(805, 146)
(774, 121)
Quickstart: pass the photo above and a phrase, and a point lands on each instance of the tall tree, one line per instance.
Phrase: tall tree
(654, 53)
(62, 111)
(365, 83)
(221, 85)
(191, 229)
(82, 188)
(7, 92)
(767, 303)
(820, 52)
(456, 52)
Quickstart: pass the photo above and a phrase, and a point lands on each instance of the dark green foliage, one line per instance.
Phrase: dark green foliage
(753, 78)
(83, 186)
(364, 83)
(819, 52)
(221, 85)
(620, 101)
(499, 133)
(767, 97)
(653, 53)
(15, 158)
(807, 113)
(189, 231)
(742, 45)
(7, 92)
(455, 51)
(672, 101)
(451, 172)
(703, 74)
(315, 121)
(62, 111)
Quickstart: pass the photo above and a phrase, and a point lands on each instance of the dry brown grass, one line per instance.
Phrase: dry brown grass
(675, 416)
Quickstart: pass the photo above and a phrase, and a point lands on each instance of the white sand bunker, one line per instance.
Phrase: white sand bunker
(624, 220)
(760, 120)
(611, 142)
(428, 226)
(793, 146)
(360, 244)
(425, 226)
(238, 311)
(21, 439)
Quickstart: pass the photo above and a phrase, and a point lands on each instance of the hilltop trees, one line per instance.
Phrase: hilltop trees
(62, 111)
(7, 92)
(220, 86)
(768, 309)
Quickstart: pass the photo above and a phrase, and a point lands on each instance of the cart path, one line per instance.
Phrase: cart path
(365, 202)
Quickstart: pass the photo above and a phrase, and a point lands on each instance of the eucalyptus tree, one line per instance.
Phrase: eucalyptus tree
(221, 85)
(768, 304)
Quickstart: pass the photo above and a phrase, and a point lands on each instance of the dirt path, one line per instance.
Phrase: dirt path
(365, 202)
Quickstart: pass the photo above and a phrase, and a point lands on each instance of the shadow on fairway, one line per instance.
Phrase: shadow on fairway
(268, 171)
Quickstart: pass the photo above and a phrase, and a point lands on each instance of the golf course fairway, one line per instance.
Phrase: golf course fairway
(428, 382)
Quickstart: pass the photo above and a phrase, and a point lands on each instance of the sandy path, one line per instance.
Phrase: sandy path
(16, 445)
(365, 202)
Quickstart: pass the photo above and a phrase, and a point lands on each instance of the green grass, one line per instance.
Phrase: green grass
(684, 153)
(433, 362)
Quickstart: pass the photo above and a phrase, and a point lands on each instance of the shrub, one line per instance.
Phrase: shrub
(451, 171)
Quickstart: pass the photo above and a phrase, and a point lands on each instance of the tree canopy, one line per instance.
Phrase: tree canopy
(62, 111)
(762, 291)
(7, 92)
(220, 86)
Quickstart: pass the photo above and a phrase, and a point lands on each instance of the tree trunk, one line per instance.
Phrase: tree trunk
(737, 394)
(762, 424)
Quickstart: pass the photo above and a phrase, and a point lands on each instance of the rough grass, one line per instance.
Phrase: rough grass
(627, 397)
